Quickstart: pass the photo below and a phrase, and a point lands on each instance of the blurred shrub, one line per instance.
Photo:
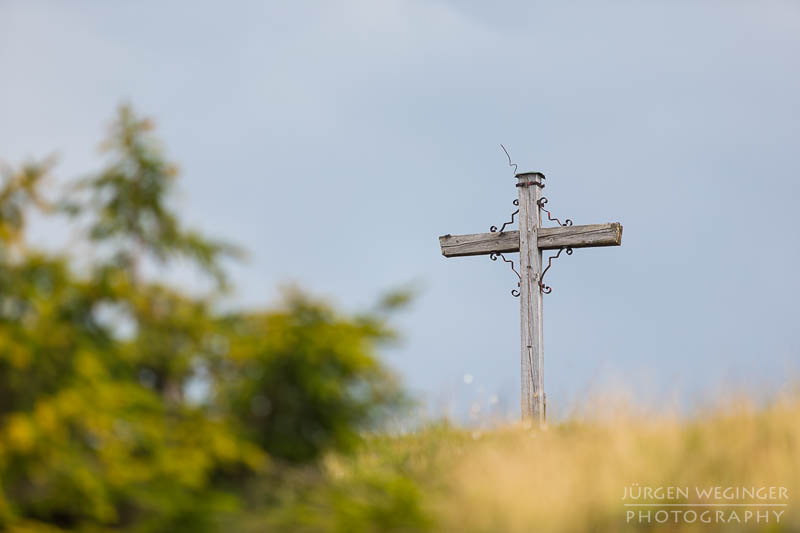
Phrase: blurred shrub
(129, 404)
(304, 380)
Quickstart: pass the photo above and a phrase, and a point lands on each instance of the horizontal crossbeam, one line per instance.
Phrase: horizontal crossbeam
(587, 236)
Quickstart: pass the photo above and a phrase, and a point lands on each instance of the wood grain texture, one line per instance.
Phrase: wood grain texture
(479, 244)
(530, 256)
(586, 236)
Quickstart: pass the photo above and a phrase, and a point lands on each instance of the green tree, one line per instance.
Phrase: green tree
(97, 431)
(304, 379)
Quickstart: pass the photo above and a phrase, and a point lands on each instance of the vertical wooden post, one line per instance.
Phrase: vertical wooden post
(532, 355)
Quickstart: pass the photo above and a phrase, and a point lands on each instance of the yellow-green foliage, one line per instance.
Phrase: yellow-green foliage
(99, 427)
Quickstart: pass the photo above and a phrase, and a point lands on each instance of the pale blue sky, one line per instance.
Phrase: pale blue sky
(338, 140)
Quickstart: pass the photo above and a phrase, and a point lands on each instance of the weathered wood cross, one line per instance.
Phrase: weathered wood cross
(529, 241)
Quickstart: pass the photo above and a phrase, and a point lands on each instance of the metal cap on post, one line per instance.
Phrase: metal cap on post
(527, 179)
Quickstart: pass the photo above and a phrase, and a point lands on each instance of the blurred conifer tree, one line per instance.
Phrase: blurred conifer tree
(97, 431)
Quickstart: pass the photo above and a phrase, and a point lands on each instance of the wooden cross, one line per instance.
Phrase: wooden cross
(529, 241)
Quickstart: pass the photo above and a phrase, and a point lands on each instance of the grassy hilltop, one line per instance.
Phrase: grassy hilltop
(570, 477)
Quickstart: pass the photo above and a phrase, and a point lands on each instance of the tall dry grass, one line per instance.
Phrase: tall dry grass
(572, 475)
